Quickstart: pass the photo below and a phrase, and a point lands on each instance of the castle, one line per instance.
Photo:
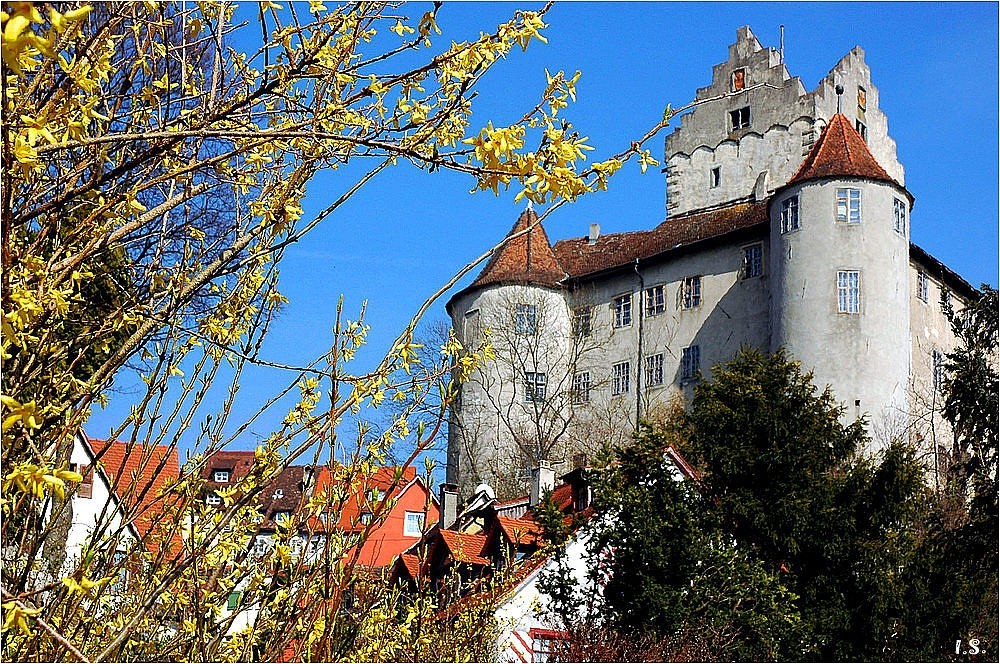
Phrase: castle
(787, 226)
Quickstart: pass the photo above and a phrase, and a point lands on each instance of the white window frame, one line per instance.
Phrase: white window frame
(654, 370)
(525, 319)
(534, 386)
(620, 378)
(690, 292)
(848, 205)
(752, 261)
(213, 499)
(221, 476)
(581, 387)
(621, 310)
(690, 362)
(653, 300)
(922, 286)
(736, 119)
(413, 524)
(583, 318)
(790, 215)
(899, 216)
(849, 292)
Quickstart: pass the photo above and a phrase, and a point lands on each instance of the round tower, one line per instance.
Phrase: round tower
(502, 424)
(839, 238)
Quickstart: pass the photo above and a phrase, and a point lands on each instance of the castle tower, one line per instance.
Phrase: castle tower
(510, 413)
(840, 266)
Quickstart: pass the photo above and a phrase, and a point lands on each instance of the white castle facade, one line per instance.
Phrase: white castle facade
(787, 226)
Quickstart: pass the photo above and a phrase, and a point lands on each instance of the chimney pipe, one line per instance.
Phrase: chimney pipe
(543, 478)
(448, 506)
(595, 232)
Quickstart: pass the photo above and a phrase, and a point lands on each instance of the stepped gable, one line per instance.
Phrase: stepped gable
(581, 258)
(840, 151)
(525, 259)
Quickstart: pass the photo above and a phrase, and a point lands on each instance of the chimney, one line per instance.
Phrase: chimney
(543, 478)
(448, 506)
(595, 232)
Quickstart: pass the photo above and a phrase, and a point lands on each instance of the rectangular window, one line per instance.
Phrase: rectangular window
(862, 99)
(534, 386)
(862, 130)
(581, 322)
(213, 499)
(220, 476)
(790, 214)
(653, 300)
(690, 293)
(849, 292)
(581, 387)
(525, 319)
(752, 263)
(715, 177)
(366, 518)
(937, 365)
(620, 376)
(739, 119)
(849, 205)
(622, 307)
(690, 362)
(86, 488)
(739, 80)
(234, 600)
(654, 369)
(414, 524)
(899, 216)
(922, 285)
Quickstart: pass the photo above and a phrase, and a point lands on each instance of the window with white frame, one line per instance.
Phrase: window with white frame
(937, 366)
(525, 318)
(581, 387)
(581, 321)
(654, 370)
(790, 214)
(622, 310)
(620, 378)
(534, 386)
(220, 475)
(739, 118)
(848, 205)
(366, 518)
(414, 524)
(653, 300)
(690, 362)
(690, 294)
(752, 261)
(899, 216)
(213, 499)
(849, 292)
(922, 285)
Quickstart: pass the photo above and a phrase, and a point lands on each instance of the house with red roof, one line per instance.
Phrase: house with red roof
(786, 225)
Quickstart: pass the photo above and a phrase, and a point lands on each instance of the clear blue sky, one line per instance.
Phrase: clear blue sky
(935, 66)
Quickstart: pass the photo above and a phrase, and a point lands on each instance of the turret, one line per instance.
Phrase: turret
(839, 255)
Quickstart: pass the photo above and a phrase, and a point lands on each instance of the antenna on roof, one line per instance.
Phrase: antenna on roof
(781, 43)
(840, 91)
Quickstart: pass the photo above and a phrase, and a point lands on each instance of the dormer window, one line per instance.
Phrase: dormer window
(282, 515)
(221, 476)
(739, 118)
(213, 499)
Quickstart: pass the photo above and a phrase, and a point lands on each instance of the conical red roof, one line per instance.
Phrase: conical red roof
(526, 257)
(840, 151)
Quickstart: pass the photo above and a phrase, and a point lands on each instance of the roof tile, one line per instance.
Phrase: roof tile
(840, 151)
(525, 259)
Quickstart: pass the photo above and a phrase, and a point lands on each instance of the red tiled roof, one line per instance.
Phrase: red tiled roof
(525, 259)
(237, 462)
(358, 499)
(411, 563)
(840, 151)
(139, 475)
(581, 258)
(465, 548)
(524, 530)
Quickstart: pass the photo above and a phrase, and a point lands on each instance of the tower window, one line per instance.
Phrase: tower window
(622, 308)
(690, 362)
(849, 205)
(581, 387)
(653, 300)
(715, 177)
(739, 79)
(790, 214)
(922, 286)
(620, 378)
(739, 118)
(899, 216)
(849, 292)
(534, 386)
(862, 129)
(690, 294)
(752, 263)
(525, 319)
(654, 369)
